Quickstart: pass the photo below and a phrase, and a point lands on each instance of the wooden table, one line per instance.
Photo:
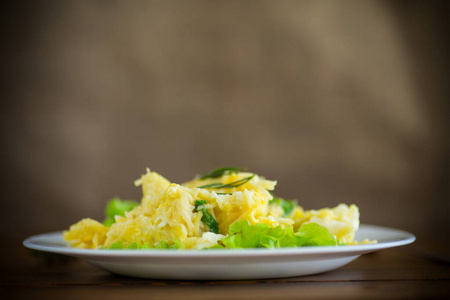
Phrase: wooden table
(399, 273)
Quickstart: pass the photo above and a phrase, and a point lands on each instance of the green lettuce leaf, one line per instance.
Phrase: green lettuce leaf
(165, 245)
(313, 234)
(244, 235)
(117, 207)
(139, 246)
(116, 245)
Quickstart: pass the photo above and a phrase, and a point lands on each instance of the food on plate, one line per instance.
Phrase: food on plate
(225, 208)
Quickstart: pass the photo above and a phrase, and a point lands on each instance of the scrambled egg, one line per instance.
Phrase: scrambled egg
(168, 212)
(87, 233)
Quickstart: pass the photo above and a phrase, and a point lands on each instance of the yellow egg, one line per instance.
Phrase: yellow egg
(342, 220)
(168, 212)
(87, 233)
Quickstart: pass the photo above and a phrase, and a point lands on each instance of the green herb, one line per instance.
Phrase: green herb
(224, 193)
(220, 172)
(199, 204)
(287, 205)
(117, 207)
(233, 184)
(207, 218)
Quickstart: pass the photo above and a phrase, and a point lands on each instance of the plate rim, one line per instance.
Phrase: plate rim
(32, 242)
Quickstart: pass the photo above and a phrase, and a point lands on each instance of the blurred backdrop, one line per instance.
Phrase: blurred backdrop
(340, 101)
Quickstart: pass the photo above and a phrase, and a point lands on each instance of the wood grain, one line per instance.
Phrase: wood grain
(395, 273)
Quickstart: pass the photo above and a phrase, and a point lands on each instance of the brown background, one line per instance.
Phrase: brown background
(340, 101)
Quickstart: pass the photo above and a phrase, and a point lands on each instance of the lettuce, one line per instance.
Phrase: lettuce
(165, 245)
(117, 207)
(244, 235)
(139, 246)
(116, 245)
(313, 234)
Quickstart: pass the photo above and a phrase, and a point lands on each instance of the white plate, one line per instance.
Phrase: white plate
(224, 264)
